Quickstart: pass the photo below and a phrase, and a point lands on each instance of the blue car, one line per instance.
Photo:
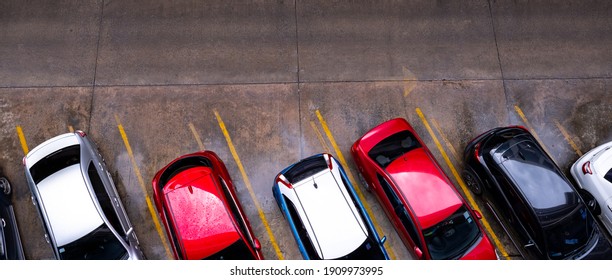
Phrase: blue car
(325, 214)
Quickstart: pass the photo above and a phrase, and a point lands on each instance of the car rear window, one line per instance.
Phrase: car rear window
(181, 165)
(55, 162)
(392, 147)
(305, 169)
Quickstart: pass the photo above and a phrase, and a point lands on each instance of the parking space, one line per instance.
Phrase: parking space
(29, 117)
(563, 110)
(267, 83)
(341, 113)
(263, 133)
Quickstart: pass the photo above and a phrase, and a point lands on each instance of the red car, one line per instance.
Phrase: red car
(197, 203)
(431, 217)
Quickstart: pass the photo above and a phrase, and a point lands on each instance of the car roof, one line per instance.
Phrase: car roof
(50, 146)
(336, 227)
(523, 162)
(68, 204)
(198, 212)
(427, 190)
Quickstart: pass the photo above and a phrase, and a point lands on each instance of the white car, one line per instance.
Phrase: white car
(77, 200)
(325, 214)
(593, 173)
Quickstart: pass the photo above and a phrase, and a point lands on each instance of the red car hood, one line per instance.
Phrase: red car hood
(482, 251)
(198, 213)
(424, 186)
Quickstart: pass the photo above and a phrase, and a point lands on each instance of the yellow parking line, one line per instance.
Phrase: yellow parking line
(22, 140)
(144, 189)
(70, 128)
(409, 81)
(568, 138)
(262, 216)
(320, 136)
(530, 127)
(485, 223)
(353, 181)
(196, 136)
(448, 143)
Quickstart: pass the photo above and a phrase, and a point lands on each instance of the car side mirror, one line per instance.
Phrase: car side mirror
(477, 214)
(129, 233)
(256, 244)
(418, 252)
(383, 240)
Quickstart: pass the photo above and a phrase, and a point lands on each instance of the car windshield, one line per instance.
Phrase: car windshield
(100, 244)
(569, 234)
(368, 250)
(237, 251)
(450, 238)
(393, 147)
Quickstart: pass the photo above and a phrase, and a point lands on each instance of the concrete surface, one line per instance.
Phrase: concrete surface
(162, 68)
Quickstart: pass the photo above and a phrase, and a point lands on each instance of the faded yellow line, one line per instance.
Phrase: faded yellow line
(485, 223)
(262, 216)
(320, 136)
(568, 138)
(196, 135)
(445, 139)
(530, 127)
(353, 181)
(409, 81)
(70, 128)
(152, 211)
(22, 140)
(24, 144)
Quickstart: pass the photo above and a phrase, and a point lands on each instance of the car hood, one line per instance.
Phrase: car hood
(198, 213)
(482, 250)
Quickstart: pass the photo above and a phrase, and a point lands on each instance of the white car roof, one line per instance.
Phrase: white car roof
(335, 222)
(50, 146)
(68, 204)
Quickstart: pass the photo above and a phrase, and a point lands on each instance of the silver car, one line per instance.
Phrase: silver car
(77, 200)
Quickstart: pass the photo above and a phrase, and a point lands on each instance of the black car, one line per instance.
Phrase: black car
(533, 200)
(10, 242)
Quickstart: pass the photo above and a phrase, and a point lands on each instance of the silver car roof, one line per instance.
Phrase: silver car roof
(71, 212)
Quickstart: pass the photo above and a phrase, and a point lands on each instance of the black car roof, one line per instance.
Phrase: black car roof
(534, 174)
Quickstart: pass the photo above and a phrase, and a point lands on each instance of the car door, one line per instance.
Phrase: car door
(399, 215)
(516, 214)
(108, 199)
(238, 215)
